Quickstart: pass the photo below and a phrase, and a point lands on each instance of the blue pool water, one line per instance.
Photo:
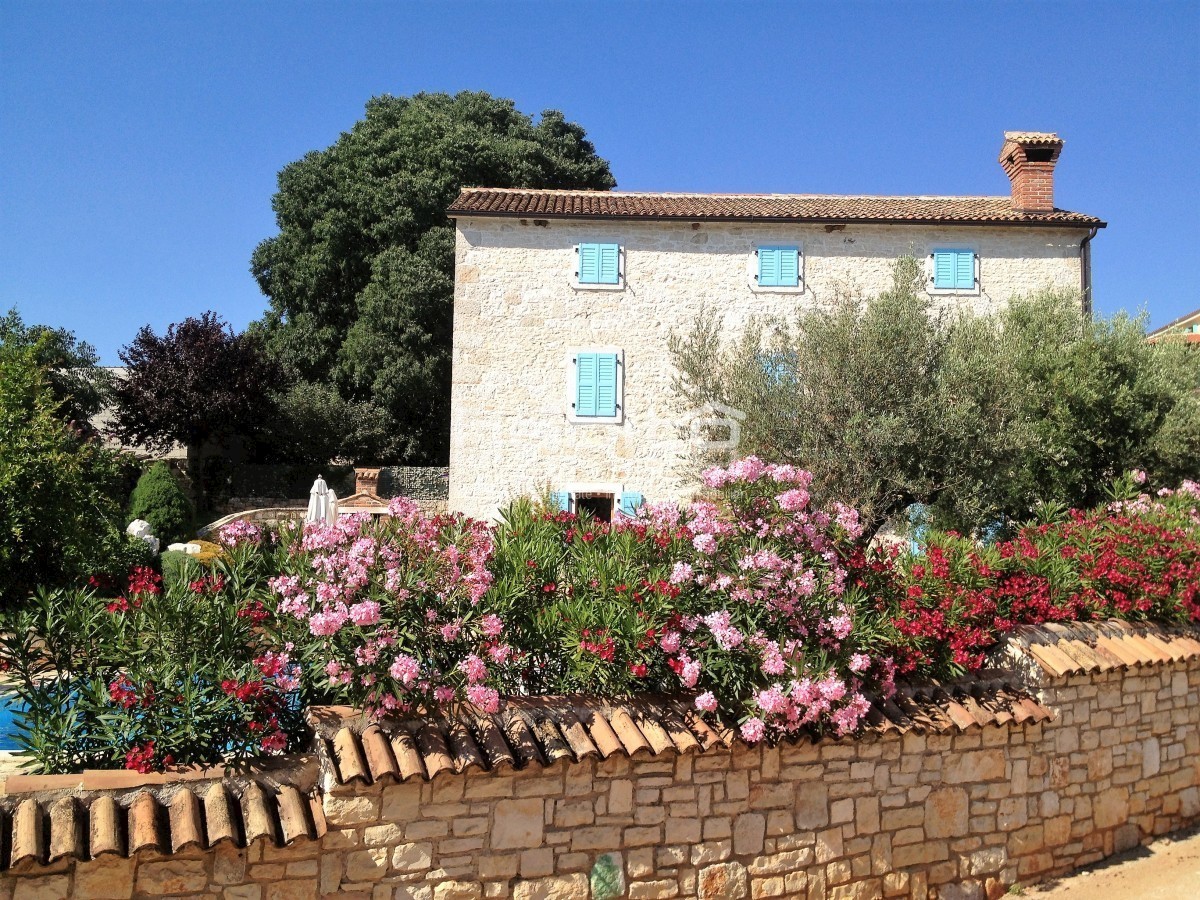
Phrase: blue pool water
(8, 728)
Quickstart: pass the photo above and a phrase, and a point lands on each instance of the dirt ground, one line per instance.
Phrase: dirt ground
(1168, 869)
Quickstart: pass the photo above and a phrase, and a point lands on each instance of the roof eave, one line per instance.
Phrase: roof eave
(798, 220)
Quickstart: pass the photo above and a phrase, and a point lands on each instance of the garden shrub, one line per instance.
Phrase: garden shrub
(163, 673)
(59, 522)
(754, 604)
(1135, 558)
(159, 499)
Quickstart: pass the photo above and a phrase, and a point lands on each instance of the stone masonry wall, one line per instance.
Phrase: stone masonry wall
(517, 318)
(962, 815)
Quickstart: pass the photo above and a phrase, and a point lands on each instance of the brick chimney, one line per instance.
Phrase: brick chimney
(1029, 158)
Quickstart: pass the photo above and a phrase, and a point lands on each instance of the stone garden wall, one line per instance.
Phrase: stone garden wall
(955, 791)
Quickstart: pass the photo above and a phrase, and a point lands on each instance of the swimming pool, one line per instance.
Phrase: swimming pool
(9, 704)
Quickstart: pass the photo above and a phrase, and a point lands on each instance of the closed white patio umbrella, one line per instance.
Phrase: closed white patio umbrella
(322, 503)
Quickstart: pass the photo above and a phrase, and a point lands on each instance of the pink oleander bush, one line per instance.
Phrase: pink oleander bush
(741, 602)
(388, 614)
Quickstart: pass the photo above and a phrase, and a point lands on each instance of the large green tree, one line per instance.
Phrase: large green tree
(60, 517)
(69, 366)
(361, 275)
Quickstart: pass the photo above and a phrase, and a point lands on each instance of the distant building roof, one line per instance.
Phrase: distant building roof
(520, 202)
(1186, 327)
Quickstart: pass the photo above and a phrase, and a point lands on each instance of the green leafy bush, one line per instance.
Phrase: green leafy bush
(162, 674)
(59, 521)
(159, 500)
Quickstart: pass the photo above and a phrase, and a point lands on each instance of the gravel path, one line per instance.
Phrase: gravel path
(1168, 869)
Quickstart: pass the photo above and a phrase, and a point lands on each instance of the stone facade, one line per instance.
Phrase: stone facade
(517, 317)
(958, 814)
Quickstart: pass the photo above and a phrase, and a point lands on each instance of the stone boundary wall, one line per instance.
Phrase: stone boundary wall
(961, 813)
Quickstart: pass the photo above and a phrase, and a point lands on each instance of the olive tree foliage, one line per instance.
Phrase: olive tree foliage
(888, 401)
(360, 277)
(894, 400)
(1098, 400)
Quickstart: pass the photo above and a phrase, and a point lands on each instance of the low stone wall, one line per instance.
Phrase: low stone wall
(954, 792)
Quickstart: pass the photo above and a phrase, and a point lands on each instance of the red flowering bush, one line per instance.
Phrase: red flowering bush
(1135, 558)
(153, 676)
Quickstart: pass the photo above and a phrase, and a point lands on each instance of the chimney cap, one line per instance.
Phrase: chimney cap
(1034, 138)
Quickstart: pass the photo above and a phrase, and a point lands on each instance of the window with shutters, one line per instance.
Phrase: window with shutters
(953, 271)
(599, 266)
(777, 268)
(601, 501)
(596, 385)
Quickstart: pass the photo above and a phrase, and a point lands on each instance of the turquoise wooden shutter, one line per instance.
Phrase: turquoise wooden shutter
(964, 270)
(768, 266)
(944, 266)
(631, 502)
(561, 500)
(610, 264)
(778, 266)
(599, 263)
(606, 384)
(589, 263)
(789, 266)
(586, 366)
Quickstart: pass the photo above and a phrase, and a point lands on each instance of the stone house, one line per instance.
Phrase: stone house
(564, 302)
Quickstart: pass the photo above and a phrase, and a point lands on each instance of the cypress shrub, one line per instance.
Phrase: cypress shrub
(160, 500)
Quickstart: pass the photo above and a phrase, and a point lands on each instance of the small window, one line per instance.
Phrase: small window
(596, 385)
(778, 267)
(598, 264)
(953, 270)
(596, 505)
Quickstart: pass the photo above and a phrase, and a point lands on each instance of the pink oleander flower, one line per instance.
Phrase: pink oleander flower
(793, 501)
(486, 698)
(671, 641)
(500, 653)
(859, 663)
(681, 572)
(405, 669)
(450, 631)
(705, 543)
(329, 621)
(690, 674)
(753, 730)
(491, 625)
(364, 613)
(443, 693)
(706, 702)
(474, 668)
(1139, 477)
(240, 532)
(771, 701)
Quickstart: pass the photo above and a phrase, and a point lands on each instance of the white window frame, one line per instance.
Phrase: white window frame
(569, 369)
(752, 269)
(953, 292)
(577, 285)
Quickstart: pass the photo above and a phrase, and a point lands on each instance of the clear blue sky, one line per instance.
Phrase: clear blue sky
(139, 142)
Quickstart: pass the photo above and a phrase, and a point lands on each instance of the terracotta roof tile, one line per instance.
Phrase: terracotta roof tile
(41, 831)
(548, 204)
(543, 731)
(1081, 647)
